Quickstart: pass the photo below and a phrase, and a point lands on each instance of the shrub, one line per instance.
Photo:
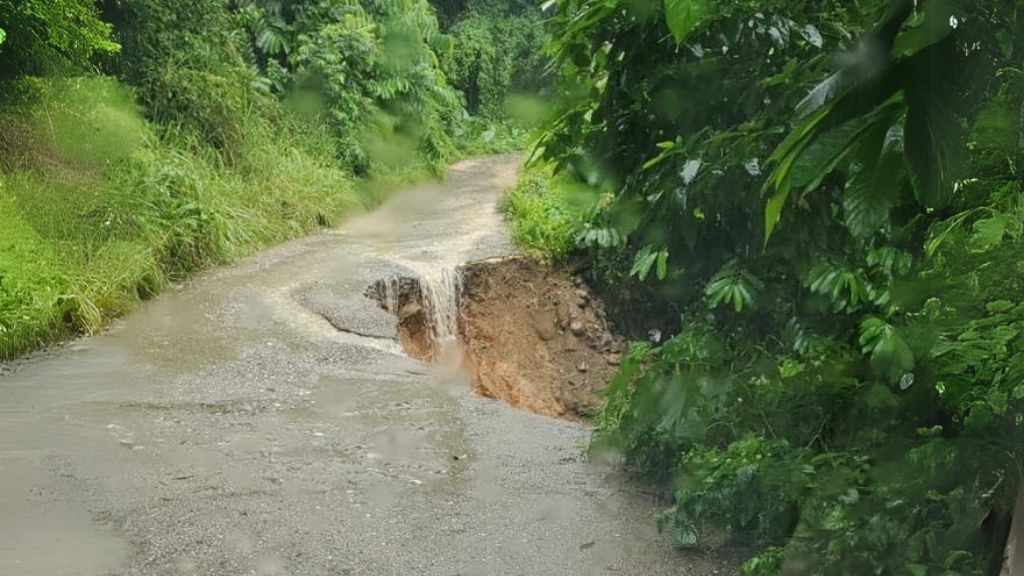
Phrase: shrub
(541, 215)
(829, 258)
(49, 36)
(88, 230)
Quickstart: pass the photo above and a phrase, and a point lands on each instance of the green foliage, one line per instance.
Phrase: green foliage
(844, 396)
(733, 285)
(41, 36)
(96, 212)
(891, 80)
(683, 16)
(367, 69)
(88, 121)
(478, 136)
(243, 121)
(496, 51)
(190, 67)
(541, 214)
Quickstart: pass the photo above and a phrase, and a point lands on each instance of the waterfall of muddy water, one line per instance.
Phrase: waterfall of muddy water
(441, 290)
(391, 294)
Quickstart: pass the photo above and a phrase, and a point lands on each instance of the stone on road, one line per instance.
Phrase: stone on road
(262, 420)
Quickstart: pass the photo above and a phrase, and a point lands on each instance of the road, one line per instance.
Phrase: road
(262, 421)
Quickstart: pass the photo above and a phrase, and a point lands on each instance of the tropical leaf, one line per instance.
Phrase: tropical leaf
(773, 211)
(827, 91)
(643, 262)
(272, 42)
(874, 184)
(662, 264)
(847, 288)
(821, 154)
(889, 353)
(684, 16)
(936, 24)
(989, 232)
(733, 285)
(934, 144)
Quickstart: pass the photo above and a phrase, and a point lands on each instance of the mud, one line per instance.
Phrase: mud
(532, 336)
(403, 297)
(535, 337)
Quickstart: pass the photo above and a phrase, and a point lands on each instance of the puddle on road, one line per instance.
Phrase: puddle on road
(39, 535)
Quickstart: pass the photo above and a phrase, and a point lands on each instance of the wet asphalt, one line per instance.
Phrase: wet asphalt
(262, 421)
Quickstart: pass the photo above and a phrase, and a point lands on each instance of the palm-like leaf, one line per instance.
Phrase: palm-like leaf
(891, 76)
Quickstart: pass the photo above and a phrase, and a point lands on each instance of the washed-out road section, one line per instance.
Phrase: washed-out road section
(263, 420)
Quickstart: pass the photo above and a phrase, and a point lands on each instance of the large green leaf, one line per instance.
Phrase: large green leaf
(821, 154)
(773, 211)
(827, 91)
(934, 145)
(684, 16)
(874, 184)
(643, 262)
(989, 232)
(933, 25)
(888, 351)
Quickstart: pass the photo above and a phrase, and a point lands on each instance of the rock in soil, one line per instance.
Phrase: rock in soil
(532, 339)
(531, 335)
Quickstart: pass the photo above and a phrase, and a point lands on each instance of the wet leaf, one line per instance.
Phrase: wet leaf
(684, 16)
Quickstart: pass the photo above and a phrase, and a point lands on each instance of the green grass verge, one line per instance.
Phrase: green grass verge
(543, 212)
(98, 211)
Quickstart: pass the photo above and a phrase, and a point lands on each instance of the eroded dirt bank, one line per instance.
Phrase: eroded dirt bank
(533, 336)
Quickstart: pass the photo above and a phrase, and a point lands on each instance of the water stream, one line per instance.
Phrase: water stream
(441, 291)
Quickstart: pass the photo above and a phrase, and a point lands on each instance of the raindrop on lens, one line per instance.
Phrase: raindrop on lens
(753, 167)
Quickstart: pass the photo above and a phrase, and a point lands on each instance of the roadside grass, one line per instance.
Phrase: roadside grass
(543, 212)
(98, 211)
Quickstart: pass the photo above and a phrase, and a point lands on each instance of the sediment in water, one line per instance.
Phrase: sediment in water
(533, 336)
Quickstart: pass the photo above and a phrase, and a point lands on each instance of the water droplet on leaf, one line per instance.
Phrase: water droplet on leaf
(907, 380)
(813, 36)
(690, 170)
(753, 167)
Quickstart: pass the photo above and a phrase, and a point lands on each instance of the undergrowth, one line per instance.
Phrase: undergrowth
(822, 269)
(102, 211)
(541, 215)
(224, 126)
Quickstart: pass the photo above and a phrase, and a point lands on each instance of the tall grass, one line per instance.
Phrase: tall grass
(98, 210)
(543, 213)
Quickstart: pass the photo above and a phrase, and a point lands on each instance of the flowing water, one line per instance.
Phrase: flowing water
(263, 421)
(391, 287)
(441, 291)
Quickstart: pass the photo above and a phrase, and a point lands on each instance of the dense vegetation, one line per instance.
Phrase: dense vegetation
(496, 61)
(141, 140)
(812, 212)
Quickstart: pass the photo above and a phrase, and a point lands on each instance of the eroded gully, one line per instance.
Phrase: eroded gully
(263, 420)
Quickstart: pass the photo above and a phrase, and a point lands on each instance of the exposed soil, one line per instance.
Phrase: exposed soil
(533, 336)
(406, 303)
